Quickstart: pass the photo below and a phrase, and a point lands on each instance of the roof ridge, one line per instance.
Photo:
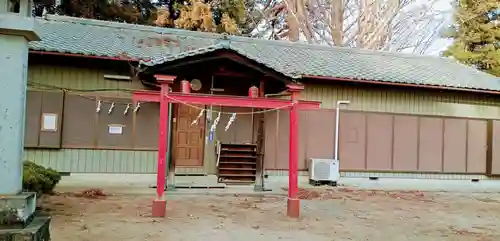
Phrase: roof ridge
(336, 48)
(182, 54)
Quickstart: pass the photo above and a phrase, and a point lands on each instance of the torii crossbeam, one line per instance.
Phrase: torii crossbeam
(165, 97)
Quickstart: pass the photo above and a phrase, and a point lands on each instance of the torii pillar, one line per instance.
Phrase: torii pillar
(293, 203)
(16, 31)
(159, 203)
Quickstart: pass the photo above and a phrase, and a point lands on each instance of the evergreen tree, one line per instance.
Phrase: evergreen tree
(130, 11)
(221, 16)
(225, 16)
(476, 35)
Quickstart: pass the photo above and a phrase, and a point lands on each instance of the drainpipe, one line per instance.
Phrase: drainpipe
(337, 123)
(170, 175)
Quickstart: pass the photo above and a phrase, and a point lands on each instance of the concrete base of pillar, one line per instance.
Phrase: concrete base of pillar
(171, 179)
(171, 187)
(258, 188)
(293, 208)
(37, 230)
(17, 211)
(159, 208)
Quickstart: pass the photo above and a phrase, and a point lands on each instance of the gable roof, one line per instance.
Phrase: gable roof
(295, 60)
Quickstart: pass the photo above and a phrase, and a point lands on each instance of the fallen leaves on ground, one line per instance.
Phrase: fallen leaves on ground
(91, 193)
(358, 194)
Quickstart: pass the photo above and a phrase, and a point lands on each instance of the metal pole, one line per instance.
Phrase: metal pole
(337, 123)
(169, 147)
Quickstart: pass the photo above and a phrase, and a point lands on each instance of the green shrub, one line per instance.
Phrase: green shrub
(39, 179)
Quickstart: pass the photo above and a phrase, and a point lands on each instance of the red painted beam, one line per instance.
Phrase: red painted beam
(223, 100)
(234, 101)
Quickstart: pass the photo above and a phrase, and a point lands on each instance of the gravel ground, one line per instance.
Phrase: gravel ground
(327, 214)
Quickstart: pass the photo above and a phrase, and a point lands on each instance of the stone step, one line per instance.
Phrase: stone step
(36, 230)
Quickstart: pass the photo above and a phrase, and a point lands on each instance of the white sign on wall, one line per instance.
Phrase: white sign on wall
(115, 129)
(49, 122)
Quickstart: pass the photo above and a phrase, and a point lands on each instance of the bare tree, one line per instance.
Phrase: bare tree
(393, 25)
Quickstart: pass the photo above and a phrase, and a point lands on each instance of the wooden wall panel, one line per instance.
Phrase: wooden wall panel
(240, 130)
(318, 133)
(303, 154)
(316, 138)
(79, 122)
(379, 142)
(352, 141)
(283, 139)
(430, 145)
(405, 156)
(32, 119)
(94, 161)
(494, 165)
(383, 142)
(455, 146)
(271, 140)
(147, 122)
(476, 146)
(52, 103)
(115, 118)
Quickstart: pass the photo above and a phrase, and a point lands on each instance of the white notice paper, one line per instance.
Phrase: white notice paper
(49, 122)
(116, 130)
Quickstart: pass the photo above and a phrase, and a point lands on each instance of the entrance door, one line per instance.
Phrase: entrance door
(189, 139)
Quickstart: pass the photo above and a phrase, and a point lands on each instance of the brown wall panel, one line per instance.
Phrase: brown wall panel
(32, 119)
(283, 139)
(495, 148)
(379, 142)
(118, 118)
(277, 138)
(240, 130)
(383, 142)
(455, 145)
(319, 133)
(430, 144)
(79, 122)
(405, 157)
(147, 122)
(271, 140)
(476, 146)
(52, 103)
(303, 133)
(352, 141)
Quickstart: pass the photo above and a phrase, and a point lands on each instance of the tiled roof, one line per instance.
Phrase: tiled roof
(296, 60)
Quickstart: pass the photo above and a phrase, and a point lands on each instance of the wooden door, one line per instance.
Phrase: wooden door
(188, 139)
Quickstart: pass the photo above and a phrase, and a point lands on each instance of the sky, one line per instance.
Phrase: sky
(446, 11)
(441, 44)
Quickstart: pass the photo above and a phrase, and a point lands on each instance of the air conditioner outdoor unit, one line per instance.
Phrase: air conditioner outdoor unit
(324, 170)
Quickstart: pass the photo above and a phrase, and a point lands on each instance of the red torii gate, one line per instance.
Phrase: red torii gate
(165, 97)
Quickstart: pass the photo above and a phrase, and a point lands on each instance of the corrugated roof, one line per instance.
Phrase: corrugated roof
(161, 45)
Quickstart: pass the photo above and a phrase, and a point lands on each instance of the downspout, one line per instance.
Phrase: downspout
(170, 185)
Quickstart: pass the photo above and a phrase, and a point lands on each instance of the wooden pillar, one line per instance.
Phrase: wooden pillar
(159, 203)
(293, 203)
(260, 140)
